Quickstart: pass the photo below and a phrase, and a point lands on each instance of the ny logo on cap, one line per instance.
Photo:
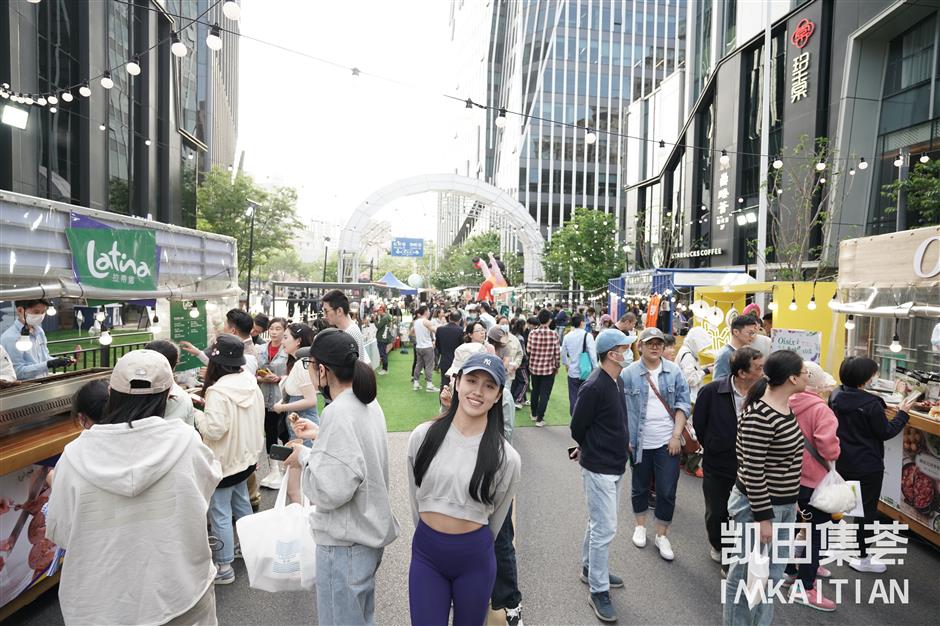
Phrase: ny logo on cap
(487, 362)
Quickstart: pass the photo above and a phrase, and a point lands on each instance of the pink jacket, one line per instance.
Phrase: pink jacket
(819, 425)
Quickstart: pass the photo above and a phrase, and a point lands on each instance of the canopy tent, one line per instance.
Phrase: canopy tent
(391, 282)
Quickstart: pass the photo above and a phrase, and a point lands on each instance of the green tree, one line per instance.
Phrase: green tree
(285, 264)
(456, 268)
(585, 249)
(222, 207)
(923, 194)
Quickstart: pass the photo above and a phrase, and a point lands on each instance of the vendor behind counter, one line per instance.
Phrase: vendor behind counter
(36, 361)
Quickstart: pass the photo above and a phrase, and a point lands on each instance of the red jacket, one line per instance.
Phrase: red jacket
(819, 425)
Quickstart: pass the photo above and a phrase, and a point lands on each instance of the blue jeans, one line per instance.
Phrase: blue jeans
(602, 492)
(346, 584)
(310, 414)
(763, 614)
(227, 502)
(662, 467)
(574, 383)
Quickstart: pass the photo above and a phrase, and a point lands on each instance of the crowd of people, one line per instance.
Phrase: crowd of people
(155, 462)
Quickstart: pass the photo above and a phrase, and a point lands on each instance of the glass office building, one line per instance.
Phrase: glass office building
(137, 148)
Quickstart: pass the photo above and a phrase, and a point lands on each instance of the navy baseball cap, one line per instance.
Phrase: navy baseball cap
(482, 361)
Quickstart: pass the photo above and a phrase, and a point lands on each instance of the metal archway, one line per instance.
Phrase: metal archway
(530, 235)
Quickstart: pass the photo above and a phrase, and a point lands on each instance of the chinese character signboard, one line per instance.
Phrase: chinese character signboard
(799, 66)
(403, 246)
(113, 258)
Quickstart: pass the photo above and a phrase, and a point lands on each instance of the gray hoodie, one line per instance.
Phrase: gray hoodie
(127, 496)
(345, 474)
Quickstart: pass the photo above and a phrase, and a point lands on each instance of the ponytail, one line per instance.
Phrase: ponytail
(755, 393)
(363, 382)
(778, 368)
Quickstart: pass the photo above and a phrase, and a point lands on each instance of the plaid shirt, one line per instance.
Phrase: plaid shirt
(544, 351)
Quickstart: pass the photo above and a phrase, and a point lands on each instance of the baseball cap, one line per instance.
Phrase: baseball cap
(462, 353)
(648, 334)
(334, 347)
(610, 338)
(818, 378)
(498, 335)
(606, 318)
(142, 373)
(482, 361)
(228, 350)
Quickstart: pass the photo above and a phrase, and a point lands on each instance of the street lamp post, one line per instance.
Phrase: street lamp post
(251, 249)
(326, 250)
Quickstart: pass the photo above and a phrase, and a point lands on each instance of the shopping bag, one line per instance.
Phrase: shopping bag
(758, 573)
(278, 547)
(832, 494)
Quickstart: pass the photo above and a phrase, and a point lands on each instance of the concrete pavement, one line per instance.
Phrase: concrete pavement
(551, 517)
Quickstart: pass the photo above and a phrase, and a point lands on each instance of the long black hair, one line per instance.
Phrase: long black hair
(361, 376)
(128, 408)
(214, 372)
(302, 332)
(490, 455)
(91, 401)
(778, 367)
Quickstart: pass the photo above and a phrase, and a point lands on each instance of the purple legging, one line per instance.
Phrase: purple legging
(451, 569)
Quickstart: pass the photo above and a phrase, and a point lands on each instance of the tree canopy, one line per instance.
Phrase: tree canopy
(585, 248)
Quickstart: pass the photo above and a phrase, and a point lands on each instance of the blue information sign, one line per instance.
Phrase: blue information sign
(403, 246)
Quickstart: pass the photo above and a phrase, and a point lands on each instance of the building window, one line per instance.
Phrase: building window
(906, 99)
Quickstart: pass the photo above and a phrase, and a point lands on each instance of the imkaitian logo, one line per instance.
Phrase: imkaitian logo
(804, 30)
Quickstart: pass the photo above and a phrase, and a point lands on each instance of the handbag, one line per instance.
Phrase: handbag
(278, 547)
(584, 360)
(687, 440)
(832, 494)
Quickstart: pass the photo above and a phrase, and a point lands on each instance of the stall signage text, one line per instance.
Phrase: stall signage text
(921, 253)
(698, 253)
(799, 75)
(114, 259)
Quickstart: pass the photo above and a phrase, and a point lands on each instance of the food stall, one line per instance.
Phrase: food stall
(889, 287)
(85, 258)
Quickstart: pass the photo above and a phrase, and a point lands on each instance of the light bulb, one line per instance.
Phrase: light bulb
(28, 99)
(106, 81)
(51, 310)
(53, 109)
(147, 142)
(862, 164)
(99, 316)
(792, 306)
(924, 158)
(41, 101)
(34, 1)
(590, 137)
(214, 38)
(133, 66)
(811, 305)
(105, 338)
(178, 48)
(898, 162)
(772, 306)
(778, 164)
(231, 10)
(850, 323)
(852, 171)
(895, 344)
(501, 119)
(102, 127)
(25, 342)
(724, 159)
(194, 312)
(820, 166)
(822, 180)
(52, 100)
(85, 90)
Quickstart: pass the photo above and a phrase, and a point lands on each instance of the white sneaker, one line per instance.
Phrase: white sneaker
(432, 389)
(416, 386)
(714, 554)
(639, 536)
(274, 478)
(382, 372)
(867, 565)
(665, 548)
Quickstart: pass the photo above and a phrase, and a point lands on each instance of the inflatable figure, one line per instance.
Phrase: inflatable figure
(488, 280)
(496, 268)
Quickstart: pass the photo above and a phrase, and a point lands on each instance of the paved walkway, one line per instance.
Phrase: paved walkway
(550, 525)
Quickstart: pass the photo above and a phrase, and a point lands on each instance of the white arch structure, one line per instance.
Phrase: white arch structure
(531, 237)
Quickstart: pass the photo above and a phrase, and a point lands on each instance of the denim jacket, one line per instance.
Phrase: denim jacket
(278, 365)
(671, 385)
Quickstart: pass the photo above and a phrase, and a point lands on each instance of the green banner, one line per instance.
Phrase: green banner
(184, 327)
(113, 258)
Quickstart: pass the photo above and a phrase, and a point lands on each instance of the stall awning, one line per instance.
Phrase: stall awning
(390, 281)
(903, 260)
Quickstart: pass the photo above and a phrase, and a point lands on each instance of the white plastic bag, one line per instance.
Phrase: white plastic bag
(758, 573)
(832, 494)
(278, 547)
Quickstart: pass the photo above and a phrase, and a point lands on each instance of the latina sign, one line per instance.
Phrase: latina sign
(114, 258)
(693, 254)
(799, 74)
(920, 255)
(404, 246)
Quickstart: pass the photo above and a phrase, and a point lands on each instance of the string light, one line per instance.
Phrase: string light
(501, 119)
(850, 323)
(106, 81)
(924, 158)
(724, 159)
(100, 315)
(792, 305)
(194, 310)
(896, 340)
(25, 342)
(777, 164)
(155, 327)
(214, 38)
(231, 10)
(834, 301)
(662, 144)
(67, 96)
(898, 162)
(590, 137)
(85, 90)
(862, 164)
(133, 66)
(811, 305)
(41, 101)
(105, 337)
(102, 127)
(53, 109)
(852, 171)
(178, 48)
(820, 166)
(51, 310)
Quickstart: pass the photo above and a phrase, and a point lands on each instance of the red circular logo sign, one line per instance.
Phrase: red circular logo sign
(804, 30)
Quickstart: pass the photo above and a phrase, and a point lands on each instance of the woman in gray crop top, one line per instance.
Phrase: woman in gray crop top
(463, 476)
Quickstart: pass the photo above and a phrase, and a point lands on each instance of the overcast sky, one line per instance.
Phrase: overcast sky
(336, 138)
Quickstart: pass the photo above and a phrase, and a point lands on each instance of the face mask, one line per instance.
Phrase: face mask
(35, 319)
(619, 360)
(505, 327)
(325, 389)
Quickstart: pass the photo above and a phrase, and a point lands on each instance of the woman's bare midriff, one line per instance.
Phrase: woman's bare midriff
(449, 525)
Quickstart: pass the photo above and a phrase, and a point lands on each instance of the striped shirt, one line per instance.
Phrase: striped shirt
(770, 458)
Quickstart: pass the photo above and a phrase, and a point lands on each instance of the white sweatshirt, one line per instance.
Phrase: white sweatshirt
(232, 422)
(129, 506)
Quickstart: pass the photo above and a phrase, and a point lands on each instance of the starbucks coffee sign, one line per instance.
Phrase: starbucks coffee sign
(114, 258)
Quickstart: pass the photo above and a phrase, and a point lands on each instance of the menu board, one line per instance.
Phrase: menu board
(184, 327)
(806, 343)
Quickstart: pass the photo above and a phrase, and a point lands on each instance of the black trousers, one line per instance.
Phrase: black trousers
(541, 392)
(871, 493)
(810, 515)
(506, 594)
(272, 428)
(383, 355)
(717, 490)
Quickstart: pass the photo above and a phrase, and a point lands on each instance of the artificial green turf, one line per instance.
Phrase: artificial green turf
(404, 408)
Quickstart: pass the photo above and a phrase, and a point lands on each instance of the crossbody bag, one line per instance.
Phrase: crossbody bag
(687, 440)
